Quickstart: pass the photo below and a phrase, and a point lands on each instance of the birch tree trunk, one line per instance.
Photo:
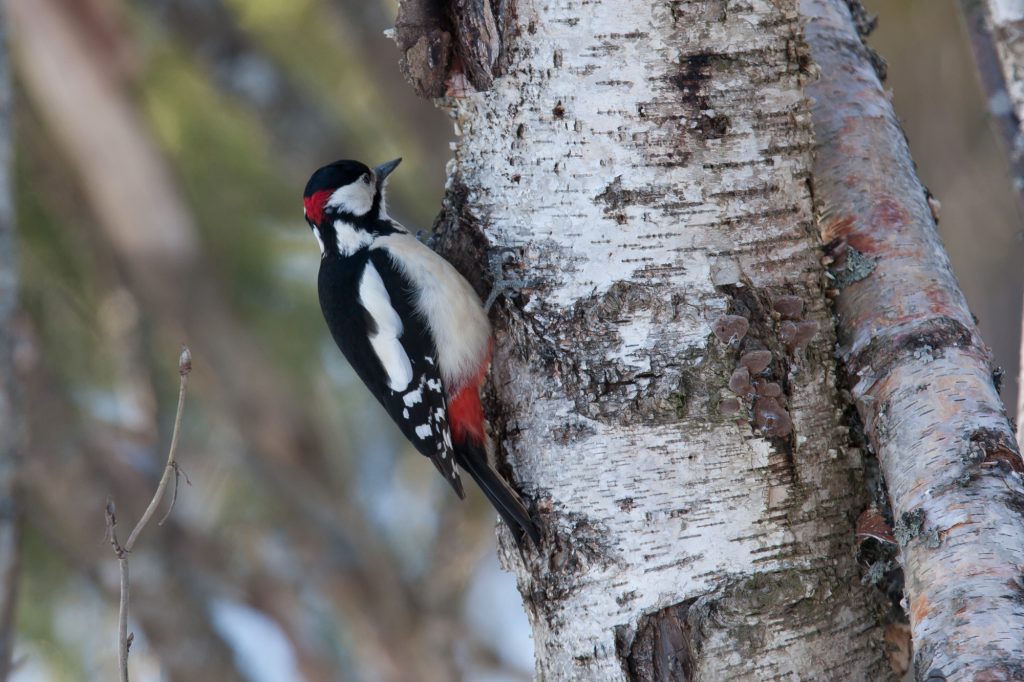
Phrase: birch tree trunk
(9, 427)
(666, 382)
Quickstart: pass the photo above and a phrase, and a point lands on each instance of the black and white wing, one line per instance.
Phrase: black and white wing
(391, 349)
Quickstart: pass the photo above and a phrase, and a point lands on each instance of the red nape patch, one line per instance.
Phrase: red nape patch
(314, 205)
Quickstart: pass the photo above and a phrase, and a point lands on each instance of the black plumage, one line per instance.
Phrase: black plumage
(351, 324)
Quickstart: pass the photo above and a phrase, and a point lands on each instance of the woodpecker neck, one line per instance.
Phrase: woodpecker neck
(343, 235)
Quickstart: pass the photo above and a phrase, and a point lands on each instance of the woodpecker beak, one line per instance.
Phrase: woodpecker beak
(384, 170)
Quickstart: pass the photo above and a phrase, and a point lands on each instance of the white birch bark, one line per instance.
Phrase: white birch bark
(645, 166)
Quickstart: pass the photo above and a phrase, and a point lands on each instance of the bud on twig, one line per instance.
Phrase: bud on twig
(185, 361)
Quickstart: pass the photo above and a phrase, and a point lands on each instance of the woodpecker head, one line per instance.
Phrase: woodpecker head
(344, 200)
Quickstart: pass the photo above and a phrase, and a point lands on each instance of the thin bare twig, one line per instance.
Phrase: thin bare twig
(124, 639)
(178, 473)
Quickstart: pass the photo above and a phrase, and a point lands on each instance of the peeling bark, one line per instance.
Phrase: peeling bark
(644, 166)
(921, 376)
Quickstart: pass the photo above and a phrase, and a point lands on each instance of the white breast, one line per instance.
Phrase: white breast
(449, 304)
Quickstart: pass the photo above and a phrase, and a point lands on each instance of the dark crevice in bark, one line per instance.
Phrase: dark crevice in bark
(668, 644)
(662, 648)
(441, 40)
(458, 236)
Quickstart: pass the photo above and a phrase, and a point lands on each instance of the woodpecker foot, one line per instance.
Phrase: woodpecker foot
(502, 284)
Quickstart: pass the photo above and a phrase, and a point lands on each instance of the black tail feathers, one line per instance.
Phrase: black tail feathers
(473, 458)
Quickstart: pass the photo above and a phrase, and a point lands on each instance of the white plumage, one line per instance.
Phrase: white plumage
(349, 239)
(449, 304)
(373, 296)
(355, 198)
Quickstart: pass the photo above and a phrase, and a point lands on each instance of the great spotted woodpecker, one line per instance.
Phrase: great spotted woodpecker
(410, 325)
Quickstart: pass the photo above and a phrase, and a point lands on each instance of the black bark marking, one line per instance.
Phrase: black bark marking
(662, 648)
(615, 197)
(909, 526)
(667, 645)
(477, 39)
(691, 80)
(849, 265)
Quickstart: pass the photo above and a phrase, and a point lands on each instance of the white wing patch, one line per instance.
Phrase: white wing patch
(373, 295)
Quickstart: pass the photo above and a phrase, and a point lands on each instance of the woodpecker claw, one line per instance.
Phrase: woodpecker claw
(501, 284)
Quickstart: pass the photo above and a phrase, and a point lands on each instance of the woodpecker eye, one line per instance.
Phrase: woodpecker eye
(366, 178)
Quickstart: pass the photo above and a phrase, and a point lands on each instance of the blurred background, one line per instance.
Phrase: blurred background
(161, 151)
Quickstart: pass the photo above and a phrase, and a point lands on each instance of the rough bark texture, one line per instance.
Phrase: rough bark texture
(921, 377)
(666, 381)
(453, 46)
(9, 428)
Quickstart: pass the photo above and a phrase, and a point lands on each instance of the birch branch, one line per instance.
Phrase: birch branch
(920, 374)
(124, 640)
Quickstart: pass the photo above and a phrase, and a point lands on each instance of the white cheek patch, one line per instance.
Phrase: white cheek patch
(319, 239)
(355, 198)
(373, 296)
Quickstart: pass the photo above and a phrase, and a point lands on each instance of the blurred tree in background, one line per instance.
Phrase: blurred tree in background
(160, 151)
(162, 146)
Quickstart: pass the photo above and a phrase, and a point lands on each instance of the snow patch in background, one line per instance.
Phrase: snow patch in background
(494, 612)
(262, 651)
